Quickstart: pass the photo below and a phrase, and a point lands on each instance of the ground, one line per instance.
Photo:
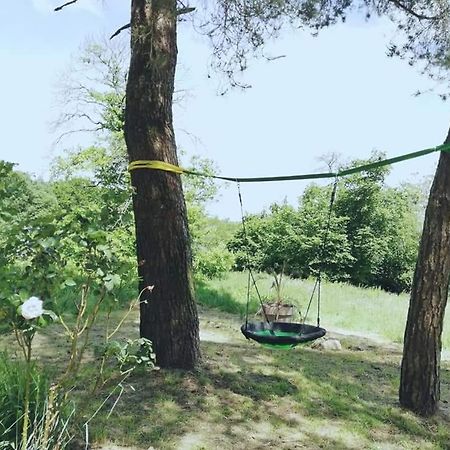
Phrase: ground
(245, 396)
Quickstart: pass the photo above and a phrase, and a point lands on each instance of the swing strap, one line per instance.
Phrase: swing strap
(317, 284)
(251, 278)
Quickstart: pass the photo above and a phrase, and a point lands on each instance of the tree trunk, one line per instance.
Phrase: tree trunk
(169, 318)
(420, 372)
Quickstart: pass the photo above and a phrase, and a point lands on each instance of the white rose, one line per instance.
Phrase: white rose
(32, 308)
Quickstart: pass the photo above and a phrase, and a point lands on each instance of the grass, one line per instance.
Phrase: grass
(13, 381)
(246, 396)
(362, 311)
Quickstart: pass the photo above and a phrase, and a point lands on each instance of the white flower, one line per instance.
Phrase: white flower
(32, 308)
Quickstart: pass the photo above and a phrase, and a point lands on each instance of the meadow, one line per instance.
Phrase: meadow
(363, 311)
(243, 395)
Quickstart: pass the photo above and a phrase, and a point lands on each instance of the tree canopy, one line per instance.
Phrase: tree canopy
(371, 240)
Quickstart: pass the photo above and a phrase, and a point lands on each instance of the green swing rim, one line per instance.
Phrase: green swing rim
(281, 334)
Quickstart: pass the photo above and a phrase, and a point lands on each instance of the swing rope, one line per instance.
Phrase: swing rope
(250, 278)
(279, 334)
(317, 284)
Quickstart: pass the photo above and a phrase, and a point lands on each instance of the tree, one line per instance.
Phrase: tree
(99, 81)
(423, 39)
(169, 319)
(268, 242)
(289, 241)
(382, 227)
(371, 238)
(420, 372)
(427, 42)
(164, 259)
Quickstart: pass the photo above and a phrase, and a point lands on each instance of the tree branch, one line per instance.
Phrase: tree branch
(128, 25)
(273, 58)
(80, 130)
(409, 10)
(59, 8)
(186, 10)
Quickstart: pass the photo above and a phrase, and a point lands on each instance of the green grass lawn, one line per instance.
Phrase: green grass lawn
(248, 397)
(362, 311)
(245, 396)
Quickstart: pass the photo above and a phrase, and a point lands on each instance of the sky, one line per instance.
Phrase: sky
(337, 92)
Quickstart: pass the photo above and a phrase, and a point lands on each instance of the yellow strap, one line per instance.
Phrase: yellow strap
(153, 164)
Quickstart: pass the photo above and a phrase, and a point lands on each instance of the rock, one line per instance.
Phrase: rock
(357, 348)
(327, 344)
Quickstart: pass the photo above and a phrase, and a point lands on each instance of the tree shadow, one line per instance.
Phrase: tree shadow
(252, 397)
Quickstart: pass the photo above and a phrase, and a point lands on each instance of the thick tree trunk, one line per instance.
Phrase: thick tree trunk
(169, 318)
(420, 372)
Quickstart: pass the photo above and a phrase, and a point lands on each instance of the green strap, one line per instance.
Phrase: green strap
(385, 162)
(162, 165)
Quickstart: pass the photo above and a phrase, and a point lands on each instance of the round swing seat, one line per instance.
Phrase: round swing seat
(281, 334)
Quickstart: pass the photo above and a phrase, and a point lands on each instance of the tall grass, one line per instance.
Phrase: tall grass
(48, 416)
(366, 311)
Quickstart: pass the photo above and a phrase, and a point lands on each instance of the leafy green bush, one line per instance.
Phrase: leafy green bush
(212, 263)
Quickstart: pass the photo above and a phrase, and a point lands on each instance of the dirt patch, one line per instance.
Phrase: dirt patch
(214, 336)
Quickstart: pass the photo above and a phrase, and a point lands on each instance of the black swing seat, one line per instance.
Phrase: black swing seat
(281, 333)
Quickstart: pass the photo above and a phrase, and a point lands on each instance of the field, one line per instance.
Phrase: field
(244, 396)
(367, 312)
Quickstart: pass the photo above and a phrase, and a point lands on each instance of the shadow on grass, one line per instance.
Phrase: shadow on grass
(246, 396)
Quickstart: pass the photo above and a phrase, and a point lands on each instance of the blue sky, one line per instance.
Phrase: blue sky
(337, 92)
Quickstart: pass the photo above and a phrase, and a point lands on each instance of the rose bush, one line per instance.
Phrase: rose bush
(32, 308)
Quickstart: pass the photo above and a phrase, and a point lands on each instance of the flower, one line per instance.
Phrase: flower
(32, 308)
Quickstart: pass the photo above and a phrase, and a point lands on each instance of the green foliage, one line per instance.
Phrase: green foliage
(290, 241)
(371, 240)
(197, 189)
(323, 245)
(55, 241)
(92, 90)
(131, 353)
(212, 259)
(97, 177)
(263, 245)
(383, 228)
(12, 392)
(14, 377)
(213, 263)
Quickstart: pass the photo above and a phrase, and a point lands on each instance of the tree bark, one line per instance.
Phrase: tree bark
(420, 371)
(169, 318)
